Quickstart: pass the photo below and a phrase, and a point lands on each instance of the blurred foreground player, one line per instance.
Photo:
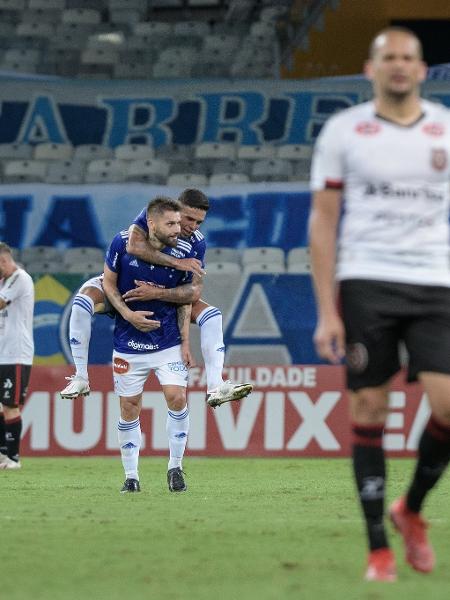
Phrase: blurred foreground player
(16, 353)
(385, 163)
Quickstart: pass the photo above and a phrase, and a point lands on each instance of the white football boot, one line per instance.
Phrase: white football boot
(227, 392)
(77, 386)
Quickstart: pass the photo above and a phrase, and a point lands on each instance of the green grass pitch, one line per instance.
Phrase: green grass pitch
(246, 529)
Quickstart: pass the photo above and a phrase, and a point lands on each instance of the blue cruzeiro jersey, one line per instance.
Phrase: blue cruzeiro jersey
(197, 239)
(129, 268)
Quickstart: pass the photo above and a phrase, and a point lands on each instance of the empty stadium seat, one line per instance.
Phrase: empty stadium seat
(88, 267)
(191, 28)
(42, 253)
(263, 267)
(134, 151)
(263, 254)
(85, 16)
(65, 172)
(83, 254)
(17, 171)
(88, 152)
(228, 178)
(274, 169)
(43, 266)
(187, 180)
(154, 29)
(222, 255)
(137, 70)
(294, 151)
(299, 260)
(149, 170)
(26, 55)
(35, 29)
(12, 5)
(256, 152)
(47, 4)
(223, 268)
(215, 150)
(16, 151)
(50, 151)
(105, 170)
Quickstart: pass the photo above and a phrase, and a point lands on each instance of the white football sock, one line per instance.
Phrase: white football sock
(80, 326)
(177, 428)
(213, 349)
(130, 444)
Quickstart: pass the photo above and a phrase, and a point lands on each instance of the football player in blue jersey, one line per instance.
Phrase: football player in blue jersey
(194, 207)
(150, 335)
(90, 299)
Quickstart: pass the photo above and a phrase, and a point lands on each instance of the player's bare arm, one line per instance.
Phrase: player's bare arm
(184, 320)
(139, 318)
(329, 336)
(188, 293)
(139, 246)
(3, 304)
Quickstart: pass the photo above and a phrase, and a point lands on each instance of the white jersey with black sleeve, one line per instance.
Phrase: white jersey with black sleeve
(395, 185)
(16, 319)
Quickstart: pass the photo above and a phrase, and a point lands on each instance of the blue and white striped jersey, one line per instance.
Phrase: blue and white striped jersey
(129, 268)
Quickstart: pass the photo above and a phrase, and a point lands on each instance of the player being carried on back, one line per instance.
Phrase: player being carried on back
(91, 298)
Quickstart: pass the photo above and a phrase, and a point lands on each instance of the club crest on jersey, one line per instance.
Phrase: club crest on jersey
(434, 129)
(368, 128)
(121, 366)
(438, 158)
(357, 357)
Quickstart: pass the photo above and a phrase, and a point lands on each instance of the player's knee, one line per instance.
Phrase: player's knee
(177, 401)
(129, 408)
(369, 406)
(95, 294)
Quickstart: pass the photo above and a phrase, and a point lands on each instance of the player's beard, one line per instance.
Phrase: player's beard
(166, 240)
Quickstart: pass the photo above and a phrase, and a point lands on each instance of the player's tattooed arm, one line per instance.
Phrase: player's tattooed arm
(184, 320)
(140, 319)
(139, 246)
(187, 293)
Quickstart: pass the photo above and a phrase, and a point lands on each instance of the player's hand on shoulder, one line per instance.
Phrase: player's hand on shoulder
(329, 338)
(140, 319)
(192, 265)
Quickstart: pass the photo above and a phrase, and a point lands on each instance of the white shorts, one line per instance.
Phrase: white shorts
(130, 371)
(96, 282)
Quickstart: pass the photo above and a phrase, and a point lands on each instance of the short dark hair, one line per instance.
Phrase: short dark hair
(161, 204)
(395, 29)
(194, 198)
(5, 248)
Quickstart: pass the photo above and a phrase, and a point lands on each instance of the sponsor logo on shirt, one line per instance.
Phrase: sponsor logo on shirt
(438, 158)
(120, 366)
(434, 129)
(134, 263)
(142, 347)
(368, 128)
(390, 191)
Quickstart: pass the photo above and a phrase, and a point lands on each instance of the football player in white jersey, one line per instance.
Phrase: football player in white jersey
(91, 299)
(16, 353)
(379, 228)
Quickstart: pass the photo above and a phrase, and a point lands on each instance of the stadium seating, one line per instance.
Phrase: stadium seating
(221, 255)
(263, 254)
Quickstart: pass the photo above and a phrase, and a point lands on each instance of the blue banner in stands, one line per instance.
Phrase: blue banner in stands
(270, 214)
(164, 112)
